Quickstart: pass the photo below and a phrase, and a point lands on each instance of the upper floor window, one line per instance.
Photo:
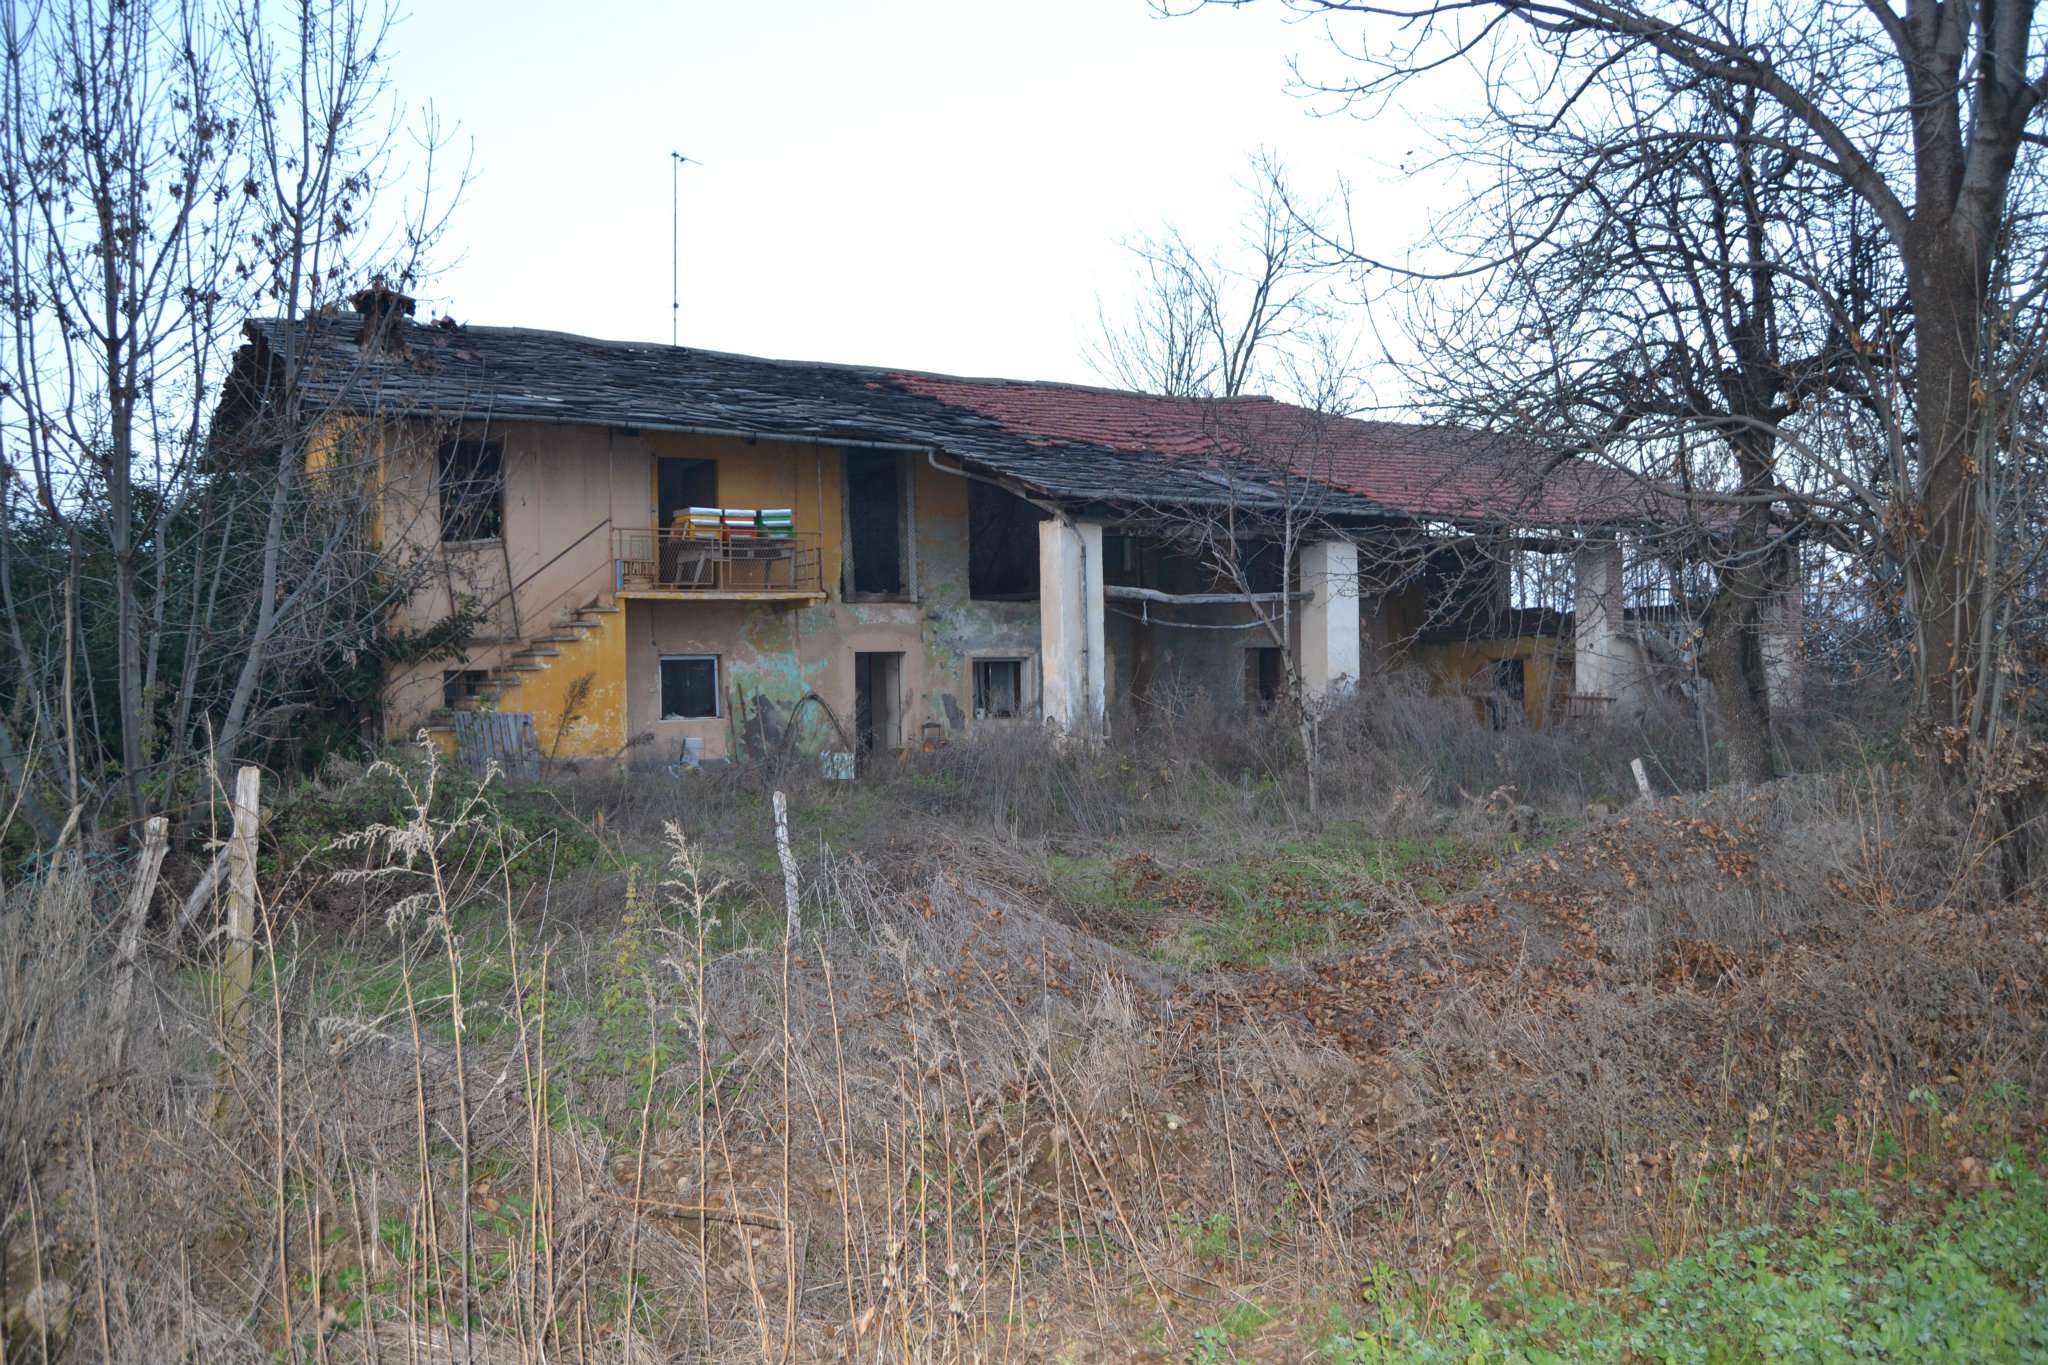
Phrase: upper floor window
(471, 478)
(1262, 565)
(877, 524)
(1002, 544)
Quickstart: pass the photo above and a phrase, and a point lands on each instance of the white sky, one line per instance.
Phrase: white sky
(934, 184)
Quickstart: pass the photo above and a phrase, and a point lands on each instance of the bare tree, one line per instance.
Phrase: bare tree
(169, 168)
(1213, 328)
(1264, 495)
(321, 166)
(1926, 114)
(114, 158)
(1261, 313)
(1697, 295)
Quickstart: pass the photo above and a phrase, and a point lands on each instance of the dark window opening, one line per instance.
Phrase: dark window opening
(1120, 560)
(1466, 590)
(459, 685)
(998, 689)
(1002, 544)
(681, 485)
(1507, 702)
(689, 687)
(472, 484)
(1262, 565)
(875, 524)
(1265, 675)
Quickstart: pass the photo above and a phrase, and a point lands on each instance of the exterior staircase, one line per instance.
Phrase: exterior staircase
(572, 633)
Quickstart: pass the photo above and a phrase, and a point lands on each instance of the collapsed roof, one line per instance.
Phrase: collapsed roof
(1062, 443)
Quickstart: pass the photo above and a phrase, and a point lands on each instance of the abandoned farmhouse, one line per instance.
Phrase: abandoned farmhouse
(675, 555)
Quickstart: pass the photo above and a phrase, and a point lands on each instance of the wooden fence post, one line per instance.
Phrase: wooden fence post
(156, 838)
(793, 927)
(238, 970)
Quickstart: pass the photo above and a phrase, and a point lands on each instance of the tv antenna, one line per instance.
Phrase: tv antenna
(675, 243)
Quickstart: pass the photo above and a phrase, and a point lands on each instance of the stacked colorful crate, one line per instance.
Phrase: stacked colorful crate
(776, 523)
(705, 522)
(739, 523)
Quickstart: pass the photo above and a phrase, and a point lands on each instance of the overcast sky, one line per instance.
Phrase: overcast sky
(935, 184)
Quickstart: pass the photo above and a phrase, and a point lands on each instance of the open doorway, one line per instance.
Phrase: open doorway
(1265, 676)
(680, 485)
(877, 702)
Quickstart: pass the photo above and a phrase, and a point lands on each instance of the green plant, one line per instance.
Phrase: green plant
(1967, 1286)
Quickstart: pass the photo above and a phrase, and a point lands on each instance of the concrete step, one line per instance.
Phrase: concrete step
(539, 652)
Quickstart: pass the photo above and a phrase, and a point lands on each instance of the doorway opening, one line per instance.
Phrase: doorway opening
(1265, 676)
(1507, 703)
(680, 485)
(877, 702)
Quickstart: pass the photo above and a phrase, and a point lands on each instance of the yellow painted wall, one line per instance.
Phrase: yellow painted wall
(578, 702)
(1452, 665)
(562, 480)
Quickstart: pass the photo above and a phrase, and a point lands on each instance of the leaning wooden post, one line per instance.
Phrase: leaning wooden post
(1642, 776)
(789, 896)
(156, 838)
(239, 969)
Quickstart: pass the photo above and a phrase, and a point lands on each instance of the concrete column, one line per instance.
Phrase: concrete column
(1783, 623)
(1070, 645)
(1329, 619)
(1598, 655)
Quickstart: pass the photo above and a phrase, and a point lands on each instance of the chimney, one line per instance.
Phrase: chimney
(384, 311)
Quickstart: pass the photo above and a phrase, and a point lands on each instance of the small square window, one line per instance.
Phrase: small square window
(689, 687)
(998, 689)
(459, 685)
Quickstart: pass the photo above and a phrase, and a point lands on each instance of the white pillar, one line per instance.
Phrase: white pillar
(1070, 645)
(1598, 660)
(1329, 619)
(1783, 623)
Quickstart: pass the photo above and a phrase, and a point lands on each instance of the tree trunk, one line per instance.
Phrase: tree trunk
(1950, 551)
(1732, 661)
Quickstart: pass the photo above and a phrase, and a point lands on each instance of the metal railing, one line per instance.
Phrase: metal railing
(675, 560)
(511, 594)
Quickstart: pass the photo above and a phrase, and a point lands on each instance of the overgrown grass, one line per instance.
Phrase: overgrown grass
(1278, 902)
(1033, 1096)
(1967, 1285)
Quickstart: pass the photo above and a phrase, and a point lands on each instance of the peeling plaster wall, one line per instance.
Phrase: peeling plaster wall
(599, 696)
(560, 482)
(771, 655)
(1454, 670)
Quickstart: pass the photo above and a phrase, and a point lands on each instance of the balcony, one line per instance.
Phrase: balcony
(738, 559)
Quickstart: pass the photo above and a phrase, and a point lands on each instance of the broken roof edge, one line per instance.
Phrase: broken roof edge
(1079, 470)
(842, 366)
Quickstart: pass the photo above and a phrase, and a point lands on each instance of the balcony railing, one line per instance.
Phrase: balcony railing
(733, 560)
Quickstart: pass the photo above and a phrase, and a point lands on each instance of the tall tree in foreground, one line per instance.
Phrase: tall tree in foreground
(1682, 305)
(117, 140)
(1928, 115)
(168, 168)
